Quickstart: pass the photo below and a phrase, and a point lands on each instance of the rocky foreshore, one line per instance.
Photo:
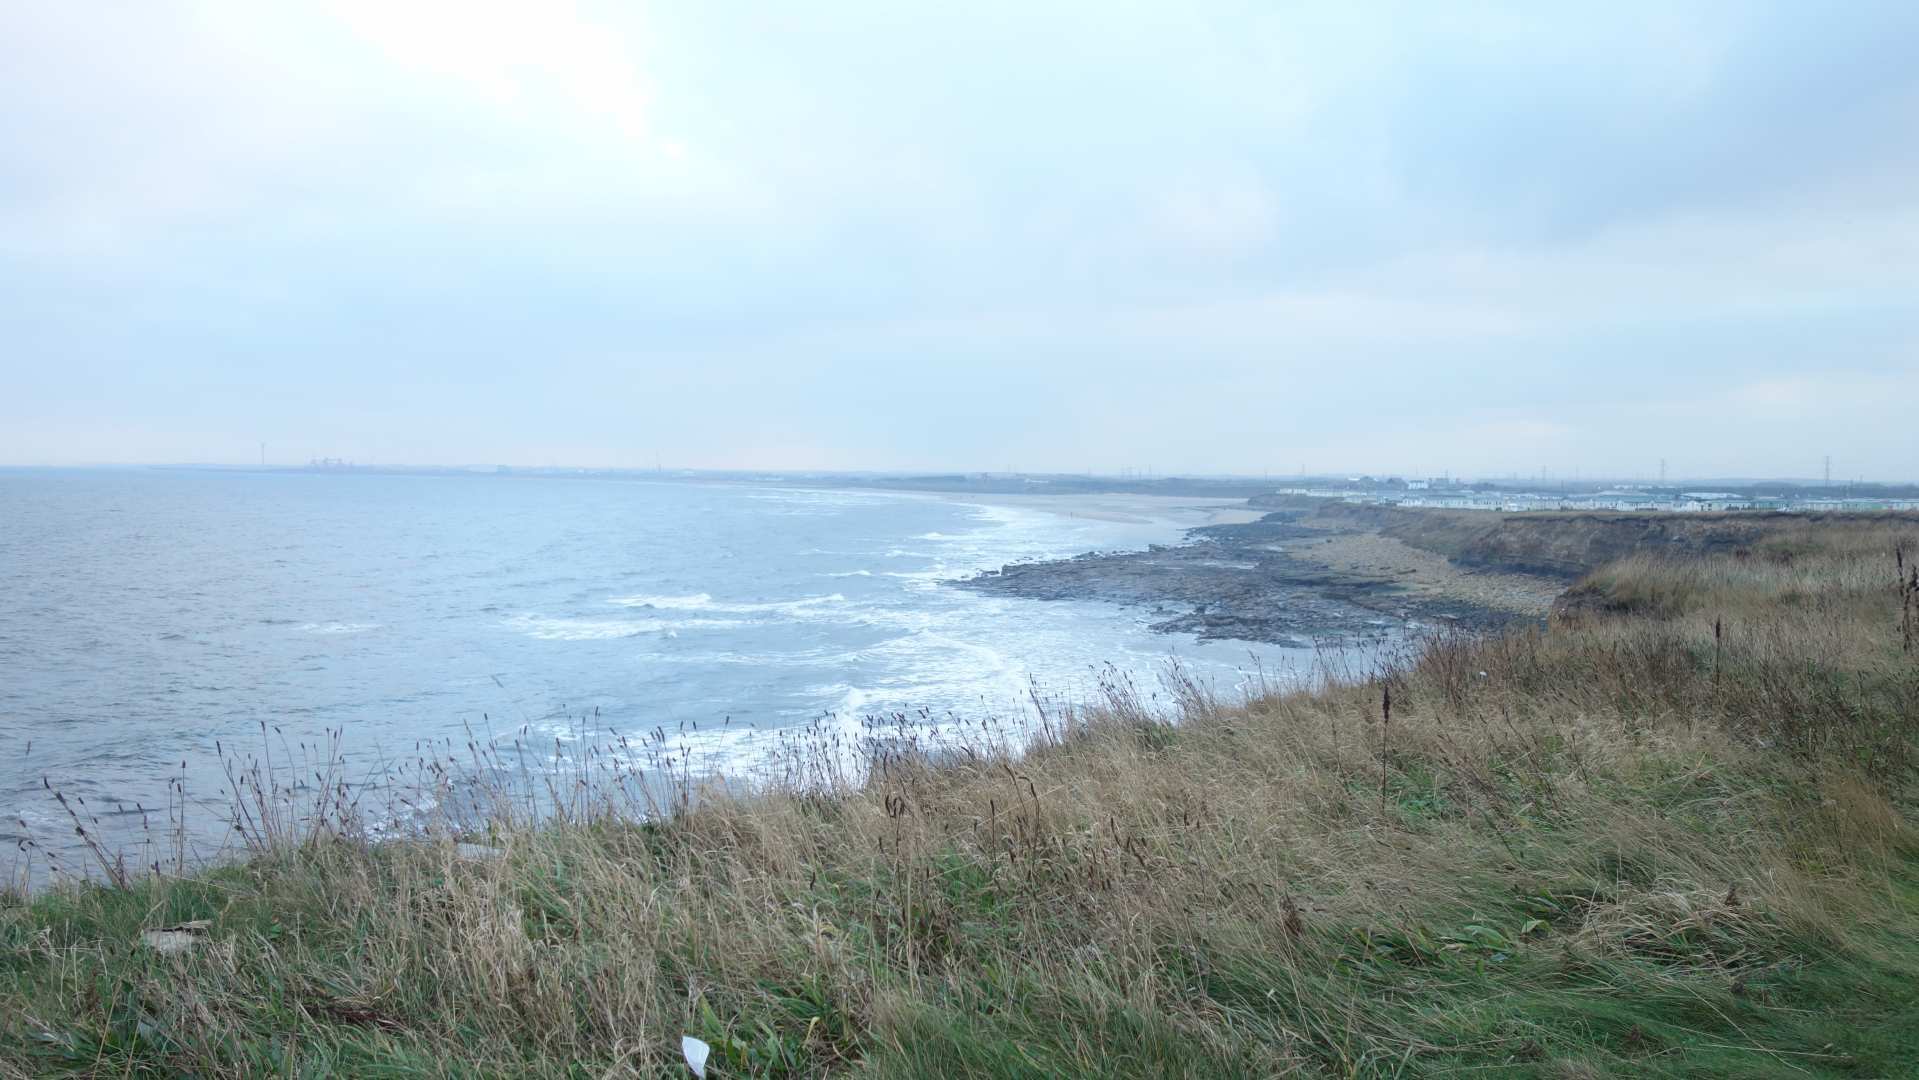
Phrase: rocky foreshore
(1286, 579)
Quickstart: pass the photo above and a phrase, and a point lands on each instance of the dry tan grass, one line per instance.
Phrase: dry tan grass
(1426, 575)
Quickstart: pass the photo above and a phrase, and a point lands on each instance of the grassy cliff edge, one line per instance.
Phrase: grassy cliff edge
(1671, 835)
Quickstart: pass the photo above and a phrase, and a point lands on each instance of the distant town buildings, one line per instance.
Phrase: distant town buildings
(1465, 497)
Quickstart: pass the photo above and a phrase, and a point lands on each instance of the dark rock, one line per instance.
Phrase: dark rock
(1237, 582)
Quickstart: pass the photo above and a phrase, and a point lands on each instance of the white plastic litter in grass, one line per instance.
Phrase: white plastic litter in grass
(696, 1054)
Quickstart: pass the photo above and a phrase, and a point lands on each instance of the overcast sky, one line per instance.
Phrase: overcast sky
(1062, 236)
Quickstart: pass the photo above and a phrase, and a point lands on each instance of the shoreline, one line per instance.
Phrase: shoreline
(1283, 577)
(1186, 512)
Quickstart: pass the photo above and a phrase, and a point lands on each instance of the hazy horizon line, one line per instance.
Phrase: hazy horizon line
(1141, 475)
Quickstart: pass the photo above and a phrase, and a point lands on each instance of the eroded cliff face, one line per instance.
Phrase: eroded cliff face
(1572, 545)
(1563, 545)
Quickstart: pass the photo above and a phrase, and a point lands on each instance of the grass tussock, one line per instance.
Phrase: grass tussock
(1671, 835)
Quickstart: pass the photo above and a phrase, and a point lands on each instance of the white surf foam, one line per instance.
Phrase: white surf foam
(338, 627)
(550, 629)
(705, 603)
(689, 602)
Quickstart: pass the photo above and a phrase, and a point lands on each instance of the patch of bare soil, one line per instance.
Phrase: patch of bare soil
(1423, 575)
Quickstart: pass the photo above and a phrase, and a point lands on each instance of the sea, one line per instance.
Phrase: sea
(156, 621)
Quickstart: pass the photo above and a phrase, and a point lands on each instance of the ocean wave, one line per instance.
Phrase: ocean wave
(689, 602)
(338, 627)
(936, 659)
(852, 699)
(1010, 515)
(850, 573)
(940, 572)
(805, 503)
(796, 658)
(550, 629)
(705, 602)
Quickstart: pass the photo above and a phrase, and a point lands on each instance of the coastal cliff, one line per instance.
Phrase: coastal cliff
(1674, 836)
